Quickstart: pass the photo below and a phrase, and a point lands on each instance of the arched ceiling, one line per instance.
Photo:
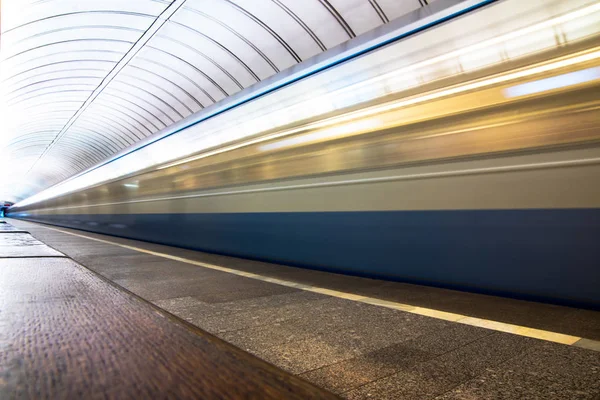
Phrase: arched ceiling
(82, 80)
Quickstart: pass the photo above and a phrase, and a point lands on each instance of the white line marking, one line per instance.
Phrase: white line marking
(428, 312)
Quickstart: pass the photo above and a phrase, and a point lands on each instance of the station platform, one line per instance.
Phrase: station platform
(68, 333)
(356, 337)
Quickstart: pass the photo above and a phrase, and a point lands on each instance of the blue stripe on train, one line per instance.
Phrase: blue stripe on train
(551, 255)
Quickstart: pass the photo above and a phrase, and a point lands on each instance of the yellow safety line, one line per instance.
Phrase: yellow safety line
(428, 312)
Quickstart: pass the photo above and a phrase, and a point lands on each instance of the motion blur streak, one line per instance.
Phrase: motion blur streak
(478, 172)
(556, 82)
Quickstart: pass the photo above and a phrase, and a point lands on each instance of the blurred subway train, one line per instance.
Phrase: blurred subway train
(483, 178)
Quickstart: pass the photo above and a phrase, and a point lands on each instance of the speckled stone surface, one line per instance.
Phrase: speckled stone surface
(15, 244)
(67, 334)
(508, 384)
(4, 227)
(358, 350)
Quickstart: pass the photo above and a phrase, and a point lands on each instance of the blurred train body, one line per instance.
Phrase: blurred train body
(487, 181)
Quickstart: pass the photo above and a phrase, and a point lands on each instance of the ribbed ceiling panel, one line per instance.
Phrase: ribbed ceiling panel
(82, 80)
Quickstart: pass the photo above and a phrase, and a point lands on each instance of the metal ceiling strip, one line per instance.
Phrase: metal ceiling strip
(201, 54)
(300, 22)
(99, 119)
(108, 12)
(379, 11)
(175, 71)
(141, 122)
(43, 46)
(222, 47)
(266, 28)
(239, 36)
(117, 119)
(150, 94)
(170, 82)
(106, 93)
(150, 85)
(92, 60)
(338, 17)
(167, 116)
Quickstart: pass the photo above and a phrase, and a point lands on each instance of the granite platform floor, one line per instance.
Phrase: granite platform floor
(67, 333)
(357, 350)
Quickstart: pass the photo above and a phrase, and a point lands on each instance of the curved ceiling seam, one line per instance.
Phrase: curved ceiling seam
(91, 60)
(108, 141)
(338, 17)
(85, 154)
(55, 92)
(138, 106)
(113, 124)
(63, 42)
(201, 54)
(103, 137)
(45, 132)
(69, 52)
(54, 102)
(266, 28)
(49, 112)
(26, 148)
(199, 71)
(187, 93)
(150, 85)
(37, 138)
(49, 93)
(55, 72)
(175, 71)
(47, 1)
(169, 82)
(51, 86)
(142, 121)
(128, 84)
(65, 89)
(166, 80)
(120, 139)
(72, 165)
(62, 169)
(239, 35)
(78, 27)
(222, 47)
(137, 126)
(39, 124)
(82, 148)
(100, 137)
(74, 159)
(63, 53)
(302, 24)
(109, 12)
(107, 133)
(379, 11)
(96, 143)
(118, 118)
(105, 151)
(161, 112)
